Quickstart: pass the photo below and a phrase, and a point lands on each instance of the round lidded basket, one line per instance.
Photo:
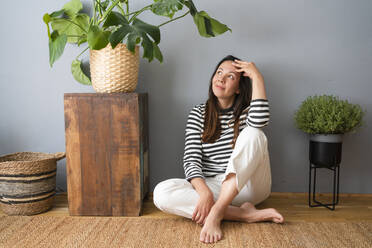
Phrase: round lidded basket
(28, 182)
(114, 70)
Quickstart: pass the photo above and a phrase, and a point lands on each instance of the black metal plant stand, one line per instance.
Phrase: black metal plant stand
(312, 191)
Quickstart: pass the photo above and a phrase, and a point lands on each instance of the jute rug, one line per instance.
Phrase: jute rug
(54, 231)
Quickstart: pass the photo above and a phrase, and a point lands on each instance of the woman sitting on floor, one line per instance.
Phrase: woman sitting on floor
(226, 159)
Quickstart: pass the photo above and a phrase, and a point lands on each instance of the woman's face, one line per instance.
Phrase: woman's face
(225, 82)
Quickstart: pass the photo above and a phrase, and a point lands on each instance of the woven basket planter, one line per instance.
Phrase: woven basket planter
(28, 182)
(114, 70)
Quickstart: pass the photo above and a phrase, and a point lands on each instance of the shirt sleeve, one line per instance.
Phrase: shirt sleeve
(193, 149)
(259, 113)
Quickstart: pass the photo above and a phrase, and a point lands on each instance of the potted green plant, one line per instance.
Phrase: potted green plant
(113, 26)
(326, 118)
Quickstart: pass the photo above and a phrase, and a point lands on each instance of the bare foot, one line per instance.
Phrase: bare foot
(255, 215)
(211, 231)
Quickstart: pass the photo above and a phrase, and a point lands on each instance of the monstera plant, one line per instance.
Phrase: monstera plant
(112, 22)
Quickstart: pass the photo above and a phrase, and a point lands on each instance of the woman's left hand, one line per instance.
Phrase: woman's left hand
(249, 69)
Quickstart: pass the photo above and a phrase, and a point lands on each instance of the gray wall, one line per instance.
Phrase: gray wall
(301, 48)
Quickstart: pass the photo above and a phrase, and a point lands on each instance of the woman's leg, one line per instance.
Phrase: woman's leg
(211, 231)
(178, 196)
(246, 212)
(175, 196)
(248, 155)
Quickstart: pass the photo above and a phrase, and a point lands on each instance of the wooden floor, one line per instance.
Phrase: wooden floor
(293, 206)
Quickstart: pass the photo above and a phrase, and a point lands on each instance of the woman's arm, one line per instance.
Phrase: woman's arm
(193, 165)
(192, 157)
(258, 87)
(258, 114)
(205, 201)
(201, 187)
(250, 70)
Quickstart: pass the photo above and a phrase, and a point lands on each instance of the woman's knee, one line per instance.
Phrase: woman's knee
(252, 134)
(163, 190)
(252, 195)
(160, 192)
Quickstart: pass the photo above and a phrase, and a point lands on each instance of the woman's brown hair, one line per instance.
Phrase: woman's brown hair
(212, 124)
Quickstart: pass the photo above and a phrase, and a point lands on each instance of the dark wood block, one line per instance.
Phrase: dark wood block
(106, 153)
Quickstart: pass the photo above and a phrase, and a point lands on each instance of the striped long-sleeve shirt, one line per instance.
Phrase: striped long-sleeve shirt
(209, 159)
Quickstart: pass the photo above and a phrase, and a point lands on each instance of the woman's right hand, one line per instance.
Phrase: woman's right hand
(202, 208)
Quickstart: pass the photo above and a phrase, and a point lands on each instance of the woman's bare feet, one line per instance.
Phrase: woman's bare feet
(211, 231)
(254, 215)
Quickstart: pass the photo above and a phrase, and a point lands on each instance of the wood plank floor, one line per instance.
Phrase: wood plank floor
(293, 206)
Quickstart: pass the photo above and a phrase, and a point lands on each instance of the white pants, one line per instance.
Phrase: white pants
(249, 161)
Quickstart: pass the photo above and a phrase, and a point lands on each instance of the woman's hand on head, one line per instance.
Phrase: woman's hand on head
(248, 69)
(202, 208)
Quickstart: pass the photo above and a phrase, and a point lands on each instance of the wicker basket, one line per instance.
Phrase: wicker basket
(114, 70)
(28, 182)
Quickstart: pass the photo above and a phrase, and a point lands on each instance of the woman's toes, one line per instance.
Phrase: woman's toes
(278, 218)
(202, 237)
(210, 238)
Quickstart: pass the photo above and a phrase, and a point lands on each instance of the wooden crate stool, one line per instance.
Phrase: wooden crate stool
(106, 153)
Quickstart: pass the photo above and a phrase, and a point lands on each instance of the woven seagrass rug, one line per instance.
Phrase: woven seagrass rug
(71, 231)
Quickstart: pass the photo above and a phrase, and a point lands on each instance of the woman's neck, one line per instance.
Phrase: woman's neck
(226, 103)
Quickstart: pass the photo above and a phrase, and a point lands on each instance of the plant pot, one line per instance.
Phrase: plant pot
(114, 70)
(325, 149)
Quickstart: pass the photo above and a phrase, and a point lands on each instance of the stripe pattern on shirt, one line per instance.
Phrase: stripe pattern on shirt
(209, 159)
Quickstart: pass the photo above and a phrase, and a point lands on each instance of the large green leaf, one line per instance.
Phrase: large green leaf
(138, 28)
(207, 26)
(217, 27)
(166, 7)
(157, 52)
(97, 37)
(204, 25)
(115, 19)
(153, 31)
(136, 32)
(64, 26)
(57, 45)
(78, 73)
(132, 41)
(150, 48)
(148, 51)
(72, 8)
(117, 36)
